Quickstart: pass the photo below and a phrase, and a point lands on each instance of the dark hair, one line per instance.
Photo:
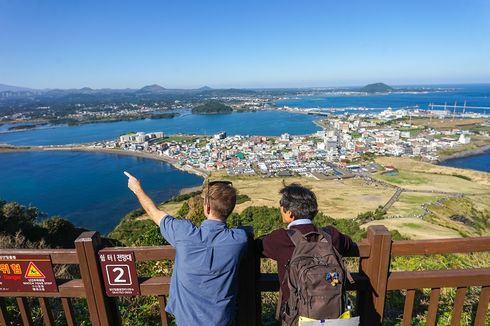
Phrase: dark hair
(221, 197)
(299, 200)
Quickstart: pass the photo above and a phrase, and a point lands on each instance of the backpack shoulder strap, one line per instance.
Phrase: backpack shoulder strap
(326, 234)
(295, 236)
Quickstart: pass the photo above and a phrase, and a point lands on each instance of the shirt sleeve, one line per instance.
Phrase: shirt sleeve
(267, 246)
(343, 243)
(173, 229)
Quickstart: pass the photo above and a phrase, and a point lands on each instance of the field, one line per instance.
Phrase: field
(434, 196)
(446, 178)
(410, 204)
(449, 123)
(335, 197)
(456, 201)
(416, 228)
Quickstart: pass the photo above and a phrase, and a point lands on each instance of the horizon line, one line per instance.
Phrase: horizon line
(251, 88)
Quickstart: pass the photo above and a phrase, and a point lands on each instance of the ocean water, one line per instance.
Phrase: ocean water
(479, 162)
(265, 123)
(474, 95)
(89, 189)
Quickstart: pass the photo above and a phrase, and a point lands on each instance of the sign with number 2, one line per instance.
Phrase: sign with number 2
(119, 271)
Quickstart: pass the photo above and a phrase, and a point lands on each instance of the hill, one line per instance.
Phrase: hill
(9, 88)
(377, 88)
(212, 107)
(152, 89)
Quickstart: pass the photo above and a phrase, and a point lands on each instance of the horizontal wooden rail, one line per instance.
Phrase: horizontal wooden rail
(58, 256)
(66, 289)
(269, 282)
(159, 285)
(364, 249)
(149, 253)
(439, 246)
(439, 279)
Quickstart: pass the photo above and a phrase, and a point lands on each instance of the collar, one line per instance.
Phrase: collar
(213, 223)
(301, 221)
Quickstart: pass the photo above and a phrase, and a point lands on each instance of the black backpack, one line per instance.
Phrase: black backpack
(316, 277)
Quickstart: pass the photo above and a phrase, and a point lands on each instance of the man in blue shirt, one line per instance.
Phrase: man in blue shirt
(204, 279)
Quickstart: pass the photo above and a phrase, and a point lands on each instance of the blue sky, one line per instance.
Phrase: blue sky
(187, 44)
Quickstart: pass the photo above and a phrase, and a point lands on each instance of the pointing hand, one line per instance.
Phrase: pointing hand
(133, 183)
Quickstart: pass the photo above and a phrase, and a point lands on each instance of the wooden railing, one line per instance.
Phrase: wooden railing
(373, 280)
(460, 279)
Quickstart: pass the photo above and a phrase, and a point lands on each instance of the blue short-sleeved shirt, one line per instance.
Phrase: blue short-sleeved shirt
(204, 280)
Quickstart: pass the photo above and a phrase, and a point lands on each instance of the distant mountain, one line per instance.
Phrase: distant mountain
(153, 89)
(204, 88)
(9, 88)
(377, 88)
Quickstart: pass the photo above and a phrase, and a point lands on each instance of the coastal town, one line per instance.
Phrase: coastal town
(344, 147)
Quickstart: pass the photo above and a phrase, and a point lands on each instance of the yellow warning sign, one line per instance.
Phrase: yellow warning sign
(33, 271)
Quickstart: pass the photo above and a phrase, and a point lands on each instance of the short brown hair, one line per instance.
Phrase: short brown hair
(222, 199)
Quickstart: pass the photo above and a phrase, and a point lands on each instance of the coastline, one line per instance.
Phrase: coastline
(43, 124)
(163, 158)
(318, 123)
(473, 152)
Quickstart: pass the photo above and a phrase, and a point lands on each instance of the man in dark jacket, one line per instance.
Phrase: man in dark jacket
(298, 207)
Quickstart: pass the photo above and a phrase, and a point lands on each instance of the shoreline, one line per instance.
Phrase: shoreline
(163, 158)
(468, 153)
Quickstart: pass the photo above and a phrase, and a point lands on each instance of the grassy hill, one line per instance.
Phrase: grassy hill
(212, 107)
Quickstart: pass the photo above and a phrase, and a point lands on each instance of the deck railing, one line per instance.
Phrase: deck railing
(373, 280)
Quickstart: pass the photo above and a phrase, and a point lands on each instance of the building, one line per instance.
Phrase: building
(220, 135)
(464, 139)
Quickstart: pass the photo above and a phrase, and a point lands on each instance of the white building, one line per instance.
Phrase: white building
(464, 139)
(221, 135)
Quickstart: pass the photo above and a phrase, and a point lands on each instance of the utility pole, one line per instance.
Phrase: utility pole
(454, 110)
(431, 108)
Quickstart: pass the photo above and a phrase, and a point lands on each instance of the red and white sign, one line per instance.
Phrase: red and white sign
(119, 271)
(27, 273)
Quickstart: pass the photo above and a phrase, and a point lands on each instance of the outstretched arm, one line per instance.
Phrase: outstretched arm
(148, 205)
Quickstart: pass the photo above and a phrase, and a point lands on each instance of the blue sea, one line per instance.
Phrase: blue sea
(479, 162)
(89, 189)
(264, 123)
(474, 95)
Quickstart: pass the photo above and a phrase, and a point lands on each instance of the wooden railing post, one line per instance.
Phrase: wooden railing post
(371, 301)
(247, 314)
(102, 309)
